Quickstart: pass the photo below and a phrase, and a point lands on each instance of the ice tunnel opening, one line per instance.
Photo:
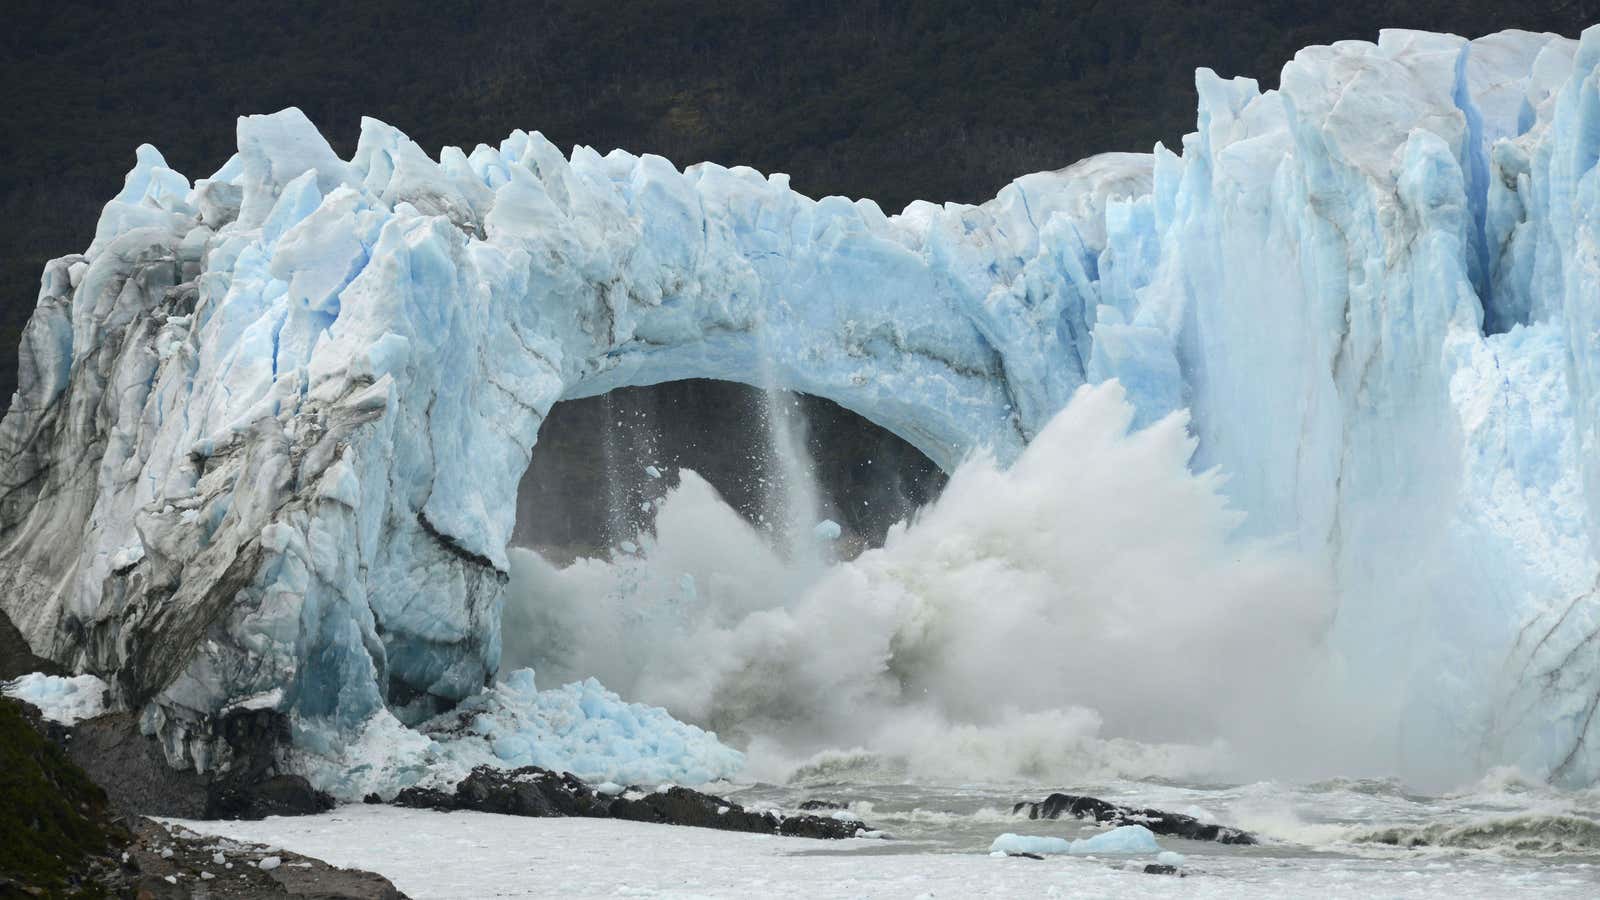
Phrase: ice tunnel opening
(652, 514)
(603, 463)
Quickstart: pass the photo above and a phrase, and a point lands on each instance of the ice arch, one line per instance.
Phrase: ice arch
(271, 425)
(591, 477)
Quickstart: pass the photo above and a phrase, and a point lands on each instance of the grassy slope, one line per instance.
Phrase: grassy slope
(55, 818)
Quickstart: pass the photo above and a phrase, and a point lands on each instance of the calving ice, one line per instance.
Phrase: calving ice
(270, 424)
(1007, 631)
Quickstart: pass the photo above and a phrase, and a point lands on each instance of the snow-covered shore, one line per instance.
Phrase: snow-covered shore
(461, 855)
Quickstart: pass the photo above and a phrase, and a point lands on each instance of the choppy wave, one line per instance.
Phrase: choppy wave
(1532, 833)
(832, 767)
(1030, 749)
(1376, 787)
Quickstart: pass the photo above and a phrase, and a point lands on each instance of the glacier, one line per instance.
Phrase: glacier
(270, 424)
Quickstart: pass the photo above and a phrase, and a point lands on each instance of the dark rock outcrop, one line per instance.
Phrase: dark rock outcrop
(535, 792)
(820, 827)
(531, 792)
(821, 804)
(681, 806)
(16, 657)
(140, 781)
(1106, 813)
(1160, 869)
(60, 835)
(278, 795)
(159, 852)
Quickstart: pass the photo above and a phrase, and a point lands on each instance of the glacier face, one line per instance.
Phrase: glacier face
(270, 425)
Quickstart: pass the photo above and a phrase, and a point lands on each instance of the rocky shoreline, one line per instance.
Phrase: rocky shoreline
(539, 793)
(64, 835)
(1158, 821)
(94, 784)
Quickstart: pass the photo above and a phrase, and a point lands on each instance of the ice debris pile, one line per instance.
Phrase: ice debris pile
(60, 699)
(580, 728)
(270, 424)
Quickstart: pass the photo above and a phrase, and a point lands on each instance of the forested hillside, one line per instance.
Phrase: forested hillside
(890, 100)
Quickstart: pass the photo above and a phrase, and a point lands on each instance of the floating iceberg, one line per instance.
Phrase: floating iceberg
(270, 425)
(1028, 843)
(1122, 840)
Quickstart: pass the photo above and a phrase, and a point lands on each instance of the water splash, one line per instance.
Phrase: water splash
(1091, 589)
(616, 523)
(793, 502)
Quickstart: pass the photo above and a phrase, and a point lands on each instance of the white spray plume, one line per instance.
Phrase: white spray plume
(1093, 588)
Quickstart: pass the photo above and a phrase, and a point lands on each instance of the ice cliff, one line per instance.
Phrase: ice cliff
(270, 424)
